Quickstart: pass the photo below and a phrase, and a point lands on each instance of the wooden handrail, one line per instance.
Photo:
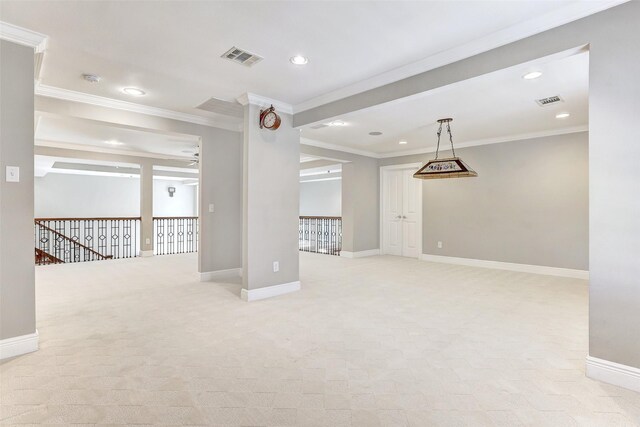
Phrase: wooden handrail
(73, 241)
(175, 217)
(320, 217)
(42, 254)
(90, 219)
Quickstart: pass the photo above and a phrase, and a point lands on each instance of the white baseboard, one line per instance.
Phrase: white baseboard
(613, 373)
(208, 276)
(269, 291)
(146, 253)
(498, 265)
(361, 254)
(11, 347)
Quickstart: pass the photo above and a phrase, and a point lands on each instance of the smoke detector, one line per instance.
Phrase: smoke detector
(242, 56)
(92, 78)
(549, 101)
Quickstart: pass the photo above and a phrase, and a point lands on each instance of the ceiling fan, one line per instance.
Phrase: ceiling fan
(194, 154)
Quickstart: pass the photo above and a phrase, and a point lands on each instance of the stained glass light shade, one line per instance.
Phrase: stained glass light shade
(452, 167)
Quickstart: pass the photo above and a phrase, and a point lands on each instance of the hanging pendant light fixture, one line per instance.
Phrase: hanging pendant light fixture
(450, 167)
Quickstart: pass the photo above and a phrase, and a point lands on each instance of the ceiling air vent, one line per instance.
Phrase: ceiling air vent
(242, 56)
(549, 101)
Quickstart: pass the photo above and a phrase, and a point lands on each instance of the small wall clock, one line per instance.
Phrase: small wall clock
(269, 119)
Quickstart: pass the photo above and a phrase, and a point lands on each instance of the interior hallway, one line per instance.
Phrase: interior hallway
(366, 342)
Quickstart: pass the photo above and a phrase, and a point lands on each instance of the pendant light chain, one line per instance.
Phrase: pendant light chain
(438, 146)
(450, 138)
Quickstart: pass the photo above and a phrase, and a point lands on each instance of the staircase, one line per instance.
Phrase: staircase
(53, 247)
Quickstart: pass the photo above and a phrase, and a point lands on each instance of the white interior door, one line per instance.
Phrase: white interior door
(392, 211)
(402, 213)
(411, 213)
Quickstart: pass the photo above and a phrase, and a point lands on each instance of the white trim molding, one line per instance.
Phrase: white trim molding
(489, 141)
(210, 276)
(116, 104)
(360, 254)
(613, 373)
(269, 291)
(23, 36)
(146, 254)
(499, 265)
(261, 101)
(336, 147)
(464, 144)
(16, 346)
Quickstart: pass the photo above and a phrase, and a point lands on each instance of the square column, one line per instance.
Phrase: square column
(146, 209)
(271, 175)
(18, 333)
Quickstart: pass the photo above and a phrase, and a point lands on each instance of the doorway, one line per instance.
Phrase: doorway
(400, 211)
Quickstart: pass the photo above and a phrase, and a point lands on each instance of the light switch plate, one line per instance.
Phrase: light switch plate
(13, 174)
(211, 207)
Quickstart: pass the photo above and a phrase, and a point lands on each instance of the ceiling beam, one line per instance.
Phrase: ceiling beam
(91, 155)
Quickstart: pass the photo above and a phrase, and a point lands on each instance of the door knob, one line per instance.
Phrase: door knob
(404, 217)
(399, 216)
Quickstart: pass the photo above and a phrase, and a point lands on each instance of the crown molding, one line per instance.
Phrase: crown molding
(473, 143)
(336, 147)
(538, 24)
(261, 101)
(23, 36)
(116, 104)
(488, 141)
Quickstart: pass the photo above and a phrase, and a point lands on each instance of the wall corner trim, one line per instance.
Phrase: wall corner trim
(499, 265)
(269, 291)
(360, 254)
(209, 276)
(613, 373)
(23, 36)
(16, 346)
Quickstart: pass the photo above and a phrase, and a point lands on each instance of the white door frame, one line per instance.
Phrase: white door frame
(384, 169)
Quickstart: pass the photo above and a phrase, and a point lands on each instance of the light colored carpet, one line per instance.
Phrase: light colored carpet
(379, 341)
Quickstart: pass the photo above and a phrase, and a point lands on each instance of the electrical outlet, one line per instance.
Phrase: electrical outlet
(211, 207)
(276, 266)
(13, 174)
(439, 245)
(147, 241)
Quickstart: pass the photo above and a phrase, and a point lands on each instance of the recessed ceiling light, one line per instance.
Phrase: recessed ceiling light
(92, 78)
(299, 60)
(337, 123)
(133, 91)
(114, 142)
(403, 142)
(562, 115)
(532, 75)
(376, 133)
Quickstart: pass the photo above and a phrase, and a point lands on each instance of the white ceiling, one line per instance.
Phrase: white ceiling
(172, 49)
(88, 135)
(493, 106)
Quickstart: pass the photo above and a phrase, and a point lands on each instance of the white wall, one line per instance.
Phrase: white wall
(183, 202)
(61, 195)
(321, 198)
